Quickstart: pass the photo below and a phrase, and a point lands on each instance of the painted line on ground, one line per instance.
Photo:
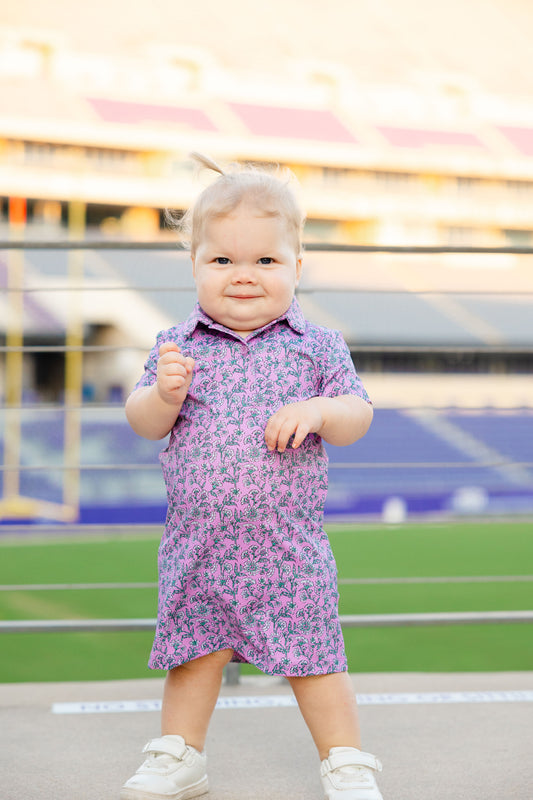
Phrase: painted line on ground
(286, 701)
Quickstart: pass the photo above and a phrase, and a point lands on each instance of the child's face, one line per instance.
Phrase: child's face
(246, 269)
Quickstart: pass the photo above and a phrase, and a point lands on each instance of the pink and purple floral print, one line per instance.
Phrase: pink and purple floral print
(244, 562)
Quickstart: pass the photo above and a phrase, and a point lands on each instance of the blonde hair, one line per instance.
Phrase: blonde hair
(269, 192)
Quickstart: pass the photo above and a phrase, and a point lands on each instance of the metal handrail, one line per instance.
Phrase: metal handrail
(499, 462)
(100, 244)
(347, 621)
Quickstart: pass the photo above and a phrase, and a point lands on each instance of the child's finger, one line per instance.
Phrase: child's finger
(299, 434)
(167, 347)
(285, 433)
(271, 432)
(278, 433)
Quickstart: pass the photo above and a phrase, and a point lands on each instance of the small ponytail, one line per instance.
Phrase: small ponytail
(206, 162)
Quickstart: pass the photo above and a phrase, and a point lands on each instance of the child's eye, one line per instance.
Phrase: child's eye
(221, 260)
(266, 260)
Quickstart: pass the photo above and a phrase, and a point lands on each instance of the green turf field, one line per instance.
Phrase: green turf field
(406, 551)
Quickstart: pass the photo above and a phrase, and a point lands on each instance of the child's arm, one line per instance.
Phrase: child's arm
(338, 420)
(153, 410)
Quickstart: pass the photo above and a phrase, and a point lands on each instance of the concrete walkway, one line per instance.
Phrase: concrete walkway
(478, 747)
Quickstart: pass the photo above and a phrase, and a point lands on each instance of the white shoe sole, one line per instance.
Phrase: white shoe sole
(198, 789)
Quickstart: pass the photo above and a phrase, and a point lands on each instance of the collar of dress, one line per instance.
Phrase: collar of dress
(293, 316)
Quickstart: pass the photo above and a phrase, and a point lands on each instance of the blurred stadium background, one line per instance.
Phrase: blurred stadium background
(410, 130)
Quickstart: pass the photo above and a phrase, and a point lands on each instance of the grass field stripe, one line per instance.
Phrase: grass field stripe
(42, 587)
(288, 701)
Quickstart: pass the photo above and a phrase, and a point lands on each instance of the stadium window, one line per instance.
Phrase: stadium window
(39, 152)
(331, 175)
(519, 187)
(98, 157)
(108, 158)
(394, 178)
(518, 238)
(466, 184)
(461, 236)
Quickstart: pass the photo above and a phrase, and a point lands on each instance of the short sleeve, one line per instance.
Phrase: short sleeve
(338, 373)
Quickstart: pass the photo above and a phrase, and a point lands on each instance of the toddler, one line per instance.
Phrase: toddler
(247, 389)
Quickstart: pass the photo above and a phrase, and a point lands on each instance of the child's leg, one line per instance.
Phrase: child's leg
(191, 692)
(329, 707)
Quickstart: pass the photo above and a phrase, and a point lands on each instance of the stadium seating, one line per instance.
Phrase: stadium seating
(479, 450)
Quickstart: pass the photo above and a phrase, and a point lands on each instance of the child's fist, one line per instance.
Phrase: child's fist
(174, 373)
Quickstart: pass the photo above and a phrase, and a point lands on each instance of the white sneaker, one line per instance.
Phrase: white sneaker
(172, 771)
(348, 774)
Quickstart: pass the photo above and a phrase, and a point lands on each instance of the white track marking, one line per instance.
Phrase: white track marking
(286, 701)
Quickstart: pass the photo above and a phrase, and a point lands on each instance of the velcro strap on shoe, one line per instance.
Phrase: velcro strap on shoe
(350, 757)
(170, 746)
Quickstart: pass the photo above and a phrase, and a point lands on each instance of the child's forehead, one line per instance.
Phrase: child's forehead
(244, 218)
(248, 208)
(253, 214)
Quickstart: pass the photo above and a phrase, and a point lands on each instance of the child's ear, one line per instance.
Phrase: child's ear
(193, 262)
(298, 270)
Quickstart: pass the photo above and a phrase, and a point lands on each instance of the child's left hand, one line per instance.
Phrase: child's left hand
(296, 419)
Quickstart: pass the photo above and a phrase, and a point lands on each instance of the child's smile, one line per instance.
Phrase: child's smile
(246, 269)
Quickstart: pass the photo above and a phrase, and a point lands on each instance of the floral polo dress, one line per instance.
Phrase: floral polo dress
(244, 562)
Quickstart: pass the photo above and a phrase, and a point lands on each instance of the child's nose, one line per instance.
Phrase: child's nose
(243, 273)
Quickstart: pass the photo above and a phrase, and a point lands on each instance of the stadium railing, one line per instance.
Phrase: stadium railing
(14, 348)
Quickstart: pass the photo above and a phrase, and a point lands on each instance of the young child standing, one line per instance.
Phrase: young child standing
(247, 389)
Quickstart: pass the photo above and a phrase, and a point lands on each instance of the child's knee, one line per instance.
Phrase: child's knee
(212, 661)
(220, 657)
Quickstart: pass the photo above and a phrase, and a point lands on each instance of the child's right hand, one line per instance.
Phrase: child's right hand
(174, 374)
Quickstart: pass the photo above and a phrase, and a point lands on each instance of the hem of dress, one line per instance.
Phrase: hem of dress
(270, 671)
(240, 660)
(301, 674)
